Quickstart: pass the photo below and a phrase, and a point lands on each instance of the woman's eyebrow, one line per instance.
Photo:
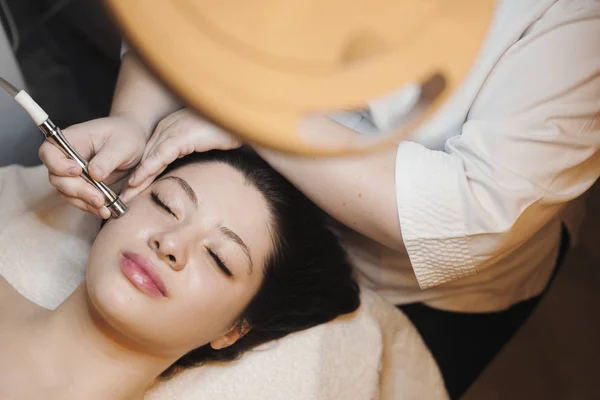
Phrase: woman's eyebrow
(185, 186)
(238, 240)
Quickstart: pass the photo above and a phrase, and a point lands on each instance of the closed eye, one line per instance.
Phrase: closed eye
(161, 203)
(220, 263)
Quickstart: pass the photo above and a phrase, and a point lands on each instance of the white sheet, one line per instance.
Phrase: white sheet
(375, 353)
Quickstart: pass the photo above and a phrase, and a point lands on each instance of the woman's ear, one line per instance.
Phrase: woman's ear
(238, 331)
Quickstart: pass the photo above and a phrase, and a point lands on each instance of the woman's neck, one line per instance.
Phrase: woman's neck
(78, 353)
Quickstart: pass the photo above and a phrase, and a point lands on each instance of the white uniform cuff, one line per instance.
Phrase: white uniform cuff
(431, 215)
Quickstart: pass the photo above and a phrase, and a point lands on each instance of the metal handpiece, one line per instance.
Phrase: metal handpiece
(56, 137)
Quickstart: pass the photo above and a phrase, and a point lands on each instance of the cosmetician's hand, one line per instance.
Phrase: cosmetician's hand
(177, 135)
(112, 145)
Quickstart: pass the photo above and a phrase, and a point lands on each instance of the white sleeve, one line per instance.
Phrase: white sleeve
(531, 144)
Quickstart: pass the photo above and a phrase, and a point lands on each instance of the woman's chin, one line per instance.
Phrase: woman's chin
(131, 317)
(119, 306)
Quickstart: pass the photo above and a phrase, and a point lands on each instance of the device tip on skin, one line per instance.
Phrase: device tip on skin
(117, 208)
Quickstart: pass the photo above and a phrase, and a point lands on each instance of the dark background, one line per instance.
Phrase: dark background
(69, 54)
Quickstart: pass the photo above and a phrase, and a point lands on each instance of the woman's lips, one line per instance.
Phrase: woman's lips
(142, 274)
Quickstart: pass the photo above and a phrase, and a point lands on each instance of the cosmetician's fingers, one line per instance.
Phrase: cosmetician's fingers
(166, 150)
(164, 153)
(56, 162)
(76, 187)
(131, 192)
(167, 124)
(114, 159)
(83, 137)
(102, 212)
(180, 141)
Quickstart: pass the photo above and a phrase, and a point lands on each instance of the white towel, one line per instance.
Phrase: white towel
(374, 353)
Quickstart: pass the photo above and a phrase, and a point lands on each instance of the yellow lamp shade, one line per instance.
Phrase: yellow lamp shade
(260, 67)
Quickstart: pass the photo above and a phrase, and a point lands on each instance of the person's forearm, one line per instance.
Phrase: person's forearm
(358, 191)
(140, 95)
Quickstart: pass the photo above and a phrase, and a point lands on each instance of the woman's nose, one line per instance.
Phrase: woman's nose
(170, 249)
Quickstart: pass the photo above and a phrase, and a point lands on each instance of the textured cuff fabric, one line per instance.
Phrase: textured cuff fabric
(431, 215)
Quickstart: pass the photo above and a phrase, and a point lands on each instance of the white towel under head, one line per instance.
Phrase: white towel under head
(375, 353)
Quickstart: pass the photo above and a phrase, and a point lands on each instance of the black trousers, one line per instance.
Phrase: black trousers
(463, 344)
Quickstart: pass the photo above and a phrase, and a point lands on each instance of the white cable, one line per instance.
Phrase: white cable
(12, 26)
(8, 87)
(37, 113)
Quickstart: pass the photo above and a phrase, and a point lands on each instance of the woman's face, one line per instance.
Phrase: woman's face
(178, 269)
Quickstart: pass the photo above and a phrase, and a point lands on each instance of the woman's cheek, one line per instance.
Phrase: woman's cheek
(143, 233)
(137, 223)
(204, 289)
(199, 281)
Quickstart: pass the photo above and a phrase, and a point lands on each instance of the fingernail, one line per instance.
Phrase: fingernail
(74, 171)
(97, 202)
(104, 213)
(132, 178)
(125, 196)
(97, 171)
